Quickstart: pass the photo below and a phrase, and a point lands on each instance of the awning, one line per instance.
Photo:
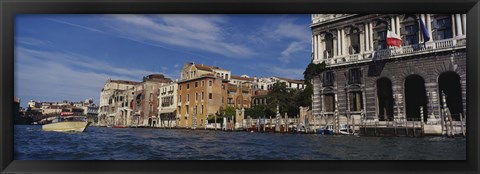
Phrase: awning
(168, 110)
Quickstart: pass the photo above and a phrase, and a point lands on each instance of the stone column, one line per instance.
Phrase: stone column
(371, 36)
(342, 44)
(362, 40)
(393, 24)
(367, 37)
(315, 51)
(339, 47)
(428, 25)
(454, 30)
(464, 23)
(458, 24)
(319, 48)
(397, 19)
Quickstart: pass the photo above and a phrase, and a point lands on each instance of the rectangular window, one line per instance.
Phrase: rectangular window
(202, 109)
(209, 83)
(196, 96)
(382, 40)
(328, 78)
(210, 96)
(356, 102)
(203, 96)
(188, 98)
(329, 102)
(180, 87)
(203, 83)
(179, 98)
(188, 86)
(196, 84)
(411, 35)
(443, 27)
(354, 76)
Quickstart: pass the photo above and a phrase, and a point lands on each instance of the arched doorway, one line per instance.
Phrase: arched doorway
(415, 97)
(385, 99)
(150, 122)
(449, 83)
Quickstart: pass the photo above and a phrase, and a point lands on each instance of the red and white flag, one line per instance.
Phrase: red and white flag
(393, 39)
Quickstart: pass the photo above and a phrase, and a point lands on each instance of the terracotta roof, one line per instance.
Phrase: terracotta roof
(241, 78)
(156, 77)
(198, 78)
(207, 68)
(291, 80)
(202, 67)
(124, 82)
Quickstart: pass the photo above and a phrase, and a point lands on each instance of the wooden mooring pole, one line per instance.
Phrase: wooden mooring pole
(462, 124)
(421, 119)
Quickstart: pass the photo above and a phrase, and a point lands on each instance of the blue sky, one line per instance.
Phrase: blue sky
(69, 57)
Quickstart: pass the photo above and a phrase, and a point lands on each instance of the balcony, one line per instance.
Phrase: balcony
(391, 53)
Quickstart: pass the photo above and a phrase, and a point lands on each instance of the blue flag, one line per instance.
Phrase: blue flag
(426, 36)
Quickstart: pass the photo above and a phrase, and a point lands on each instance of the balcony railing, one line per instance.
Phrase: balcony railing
(407, 50)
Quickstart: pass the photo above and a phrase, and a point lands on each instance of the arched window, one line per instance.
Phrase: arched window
(409, 30)
(139, 100)
(354, 41)
(328, 53)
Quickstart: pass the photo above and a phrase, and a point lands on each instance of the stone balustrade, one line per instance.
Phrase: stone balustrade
(394, 52)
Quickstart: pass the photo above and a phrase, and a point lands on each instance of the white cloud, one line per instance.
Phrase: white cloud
(285, 29)
(291, 73)
(294, 47)
(76, 25)
(196, 32)
(32, 41)
(43, 74)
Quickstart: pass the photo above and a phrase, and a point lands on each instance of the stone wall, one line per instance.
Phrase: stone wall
(429, 67)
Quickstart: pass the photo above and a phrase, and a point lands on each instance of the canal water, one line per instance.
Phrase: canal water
(101, 143)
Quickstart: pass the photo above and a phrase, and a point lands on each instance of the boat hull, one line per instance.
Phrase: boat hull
(75, 126)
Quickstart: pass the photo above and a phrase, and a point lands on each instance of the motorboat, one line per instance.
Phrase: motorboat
(327, 130)
(67, 123)
(345, 130)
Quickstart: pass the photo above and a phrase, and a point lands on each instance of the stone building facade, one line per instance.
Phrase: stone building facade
(167, 104)
(239, 92)
(198, 98)
(127, 103)
(266, 83)
(115, 96)
(365, 76)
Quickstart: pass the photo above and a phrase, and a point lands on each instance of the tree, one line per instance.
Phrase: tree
(229, 112)
(259, 111)
(313, 70)
(285, 98)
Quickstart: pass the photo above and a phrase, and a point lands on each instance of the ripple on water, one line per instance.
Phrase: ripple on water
(99, 143)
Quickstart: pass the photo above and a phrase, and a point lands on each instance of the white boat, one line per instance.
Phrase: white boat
(345, 130)
(67, 124)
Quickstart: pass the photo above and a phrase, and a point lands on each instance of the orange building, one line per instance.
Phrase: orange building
(199, 97)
